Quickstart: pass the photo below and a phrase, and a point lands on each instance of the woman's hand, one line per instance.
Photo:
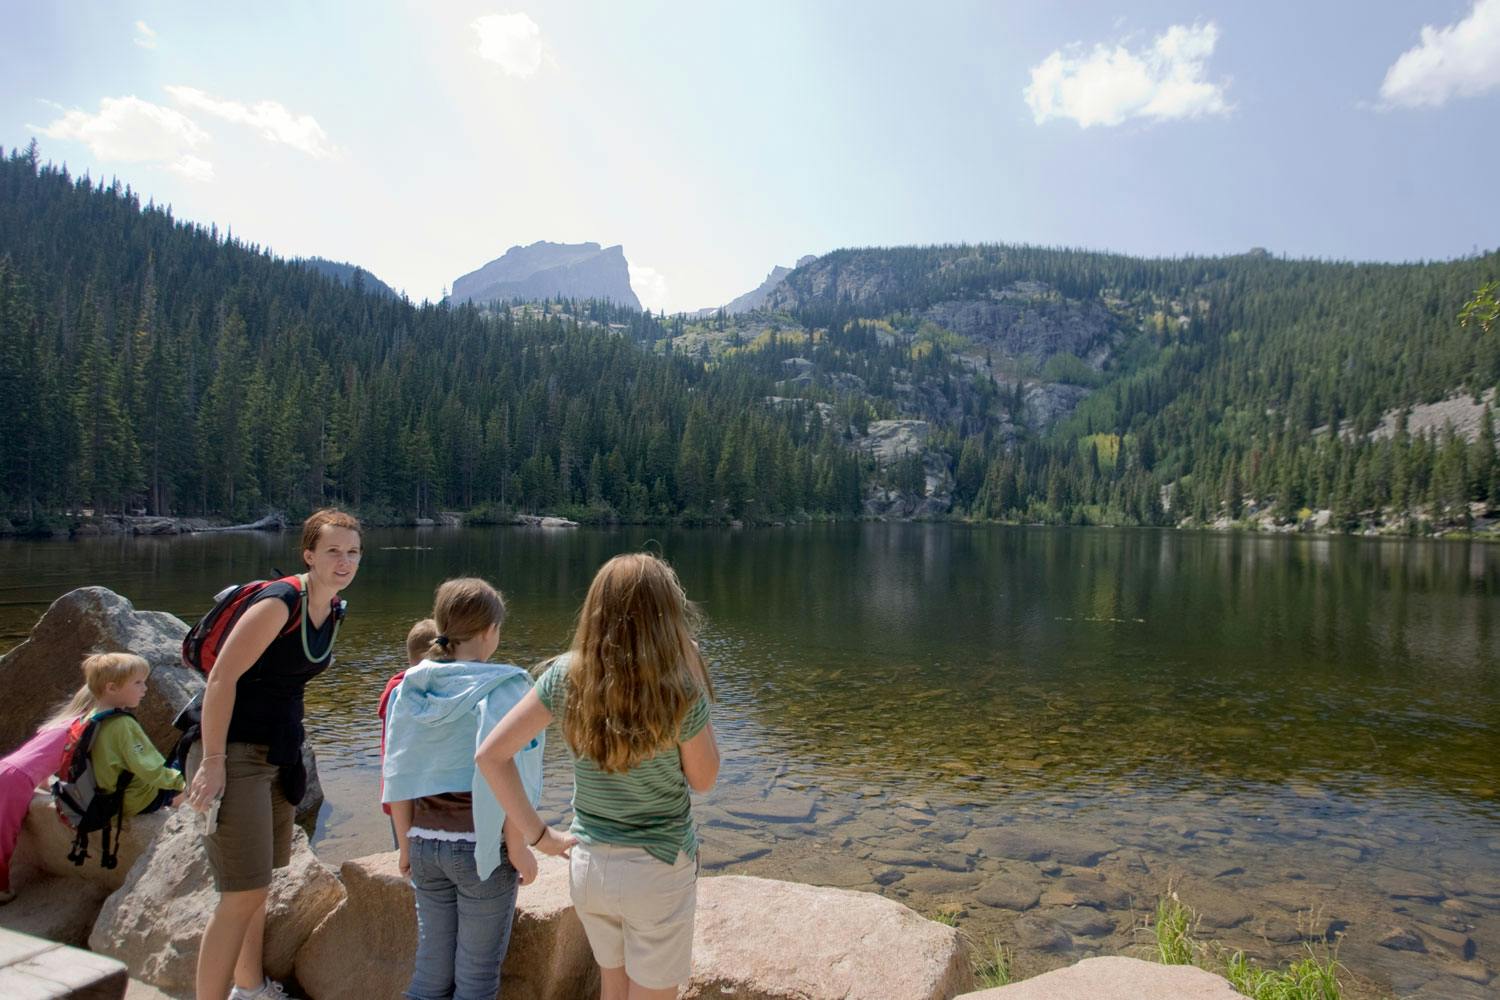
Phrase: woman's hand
(403, 860)
(554, 844)
(521, 858)
(208, 783)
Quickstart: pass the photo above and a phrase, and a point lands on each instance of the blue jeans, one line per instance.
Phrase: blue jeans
(463, 923)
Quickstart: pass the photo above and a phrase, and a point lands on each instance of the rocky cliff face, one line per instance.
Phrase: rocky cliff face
(546, 270)
(758, 297)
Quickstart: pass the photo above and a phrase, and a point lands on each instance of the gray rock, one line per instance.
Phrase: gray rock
(1033, 933)
(720, 846)
(154, 922)
(1081, 921)
(777, 807)
(1093, 893)
(47, 666)
(1401, 939)
(1038, 843)
(1009, 891)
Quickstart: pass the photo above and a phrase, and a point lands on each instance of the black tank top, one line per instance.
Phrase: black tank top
(268, 696)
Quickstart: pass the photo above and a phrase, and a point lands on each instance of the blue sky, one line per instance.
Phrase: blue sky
(714, 140)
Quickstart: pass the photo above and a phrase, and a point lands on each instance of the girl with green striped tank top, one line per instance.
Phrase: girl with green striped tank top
(632, 694)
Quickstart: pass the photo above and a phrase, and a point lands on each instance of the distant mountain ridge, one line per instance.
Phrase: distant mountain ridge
(757, 297)
(346, 274)
(547, 270)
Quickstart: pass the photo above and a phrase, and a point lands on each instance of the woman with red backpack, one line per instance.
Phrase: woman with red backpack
(247, 766)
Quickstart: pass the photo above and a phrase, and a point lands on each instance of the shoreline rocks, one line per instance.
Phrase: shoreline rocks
(154, 921)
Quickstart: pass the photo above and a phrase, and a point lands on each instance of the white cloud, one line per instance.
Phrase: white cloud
(271, 119)
(1461, 60)
(193, 168)
(130, 130)
(144, 36)
(513, 41)
(650, 286)
(1109, 85)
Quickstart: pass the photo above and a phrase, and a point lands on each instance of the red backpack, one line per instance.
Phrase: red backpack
(81, 806)
(201, 645)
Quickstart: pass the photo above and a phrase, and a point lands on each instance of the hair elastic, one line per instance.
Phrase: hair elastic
(442, 640)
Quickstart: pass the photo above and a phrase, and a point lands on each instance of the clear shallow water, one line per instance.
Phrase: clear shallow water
(1297, 734)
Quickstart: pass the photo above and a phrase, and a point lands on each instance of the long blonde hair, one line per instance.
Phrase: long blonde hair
(463, 608)
(78, 705)
(633, 667)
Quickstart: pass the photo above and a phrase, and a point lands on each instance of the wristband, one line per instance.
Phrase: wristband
(539, 836)
(213, 756)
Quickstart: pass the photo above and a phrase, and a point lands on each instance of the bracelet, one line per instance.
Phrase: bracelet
(213, 756)
(539, 836)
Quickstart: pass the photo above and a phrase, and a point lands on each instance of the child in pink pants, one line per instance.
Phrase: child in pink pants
(26, 767)
(20, 773)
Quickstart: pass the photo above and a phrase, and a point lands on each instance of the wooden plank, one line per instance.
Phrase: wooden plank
(33, 969)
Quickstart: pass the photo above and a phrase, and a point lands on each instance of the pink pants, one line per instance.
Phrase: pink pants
(15, 798)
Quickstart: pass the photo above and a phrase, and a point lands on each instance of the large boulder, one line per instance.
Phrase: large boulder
(94, 620)
(759, 939)
(754, 939)
(153, 922)
(1116, 978)
(45, 842)
(364, 950)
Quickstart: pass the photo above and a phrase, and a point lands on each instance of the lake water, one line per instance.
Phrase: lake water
(1033, 732)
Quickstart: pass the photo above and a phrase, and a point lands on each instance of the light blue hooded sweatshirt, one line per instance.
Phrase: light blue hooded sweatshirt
(435, 722)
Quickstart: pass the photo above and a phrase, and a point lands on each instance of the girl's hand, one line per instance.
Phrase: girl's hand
(403, 860)
(524, 863)
(208, 784)
(554, 844)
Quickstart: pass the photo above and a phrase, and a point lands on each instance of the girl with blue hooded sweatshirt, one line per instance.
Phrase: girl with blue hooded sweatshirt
(463, 857)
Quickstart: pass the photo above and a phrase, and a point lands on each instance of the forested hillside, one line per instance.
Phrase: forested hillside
(154, 365)
(1082, 387)
(150, 364)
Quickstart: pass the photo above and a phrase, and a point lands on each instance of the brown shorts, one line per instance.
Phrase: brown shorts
(254, 834)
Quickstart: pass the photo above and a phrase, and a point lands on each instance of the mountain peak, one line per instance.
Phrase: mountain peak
(546, 270)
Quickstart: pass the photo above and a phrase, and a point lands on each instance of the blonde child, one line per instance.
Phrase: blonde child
(632, 694)
(418, 641)
(449, 829)
(118, 681)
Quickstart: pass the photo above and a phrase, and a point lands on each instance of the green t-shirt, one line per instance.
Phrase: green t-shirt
(122, 745)
(647, 806)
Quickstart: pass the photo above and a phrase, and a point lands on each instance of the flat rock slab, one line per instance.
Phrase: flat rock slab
(34, 969)
(778, 806)
(1116, 978)
(1038, 843)
(719, 846)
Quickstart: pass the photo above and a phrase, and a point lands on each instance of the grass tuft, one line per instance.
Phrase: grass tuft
(1313, 977)
(1173, 929)
(995, 969)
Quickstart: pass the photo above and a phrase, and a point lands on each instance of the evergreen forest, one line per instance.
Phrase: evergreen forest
(157, 366)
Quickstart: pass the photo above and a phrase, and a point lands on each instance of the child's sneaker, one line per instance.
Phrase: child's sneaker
(267, 990)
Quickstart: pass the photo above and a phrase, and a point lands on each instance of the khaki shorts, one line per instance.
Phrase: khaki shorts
(254, 834)
(637, 911)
